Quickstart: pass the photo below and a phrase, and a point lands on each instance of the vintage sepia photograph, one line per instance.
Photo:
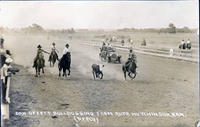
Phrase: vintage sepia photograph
(99, 63)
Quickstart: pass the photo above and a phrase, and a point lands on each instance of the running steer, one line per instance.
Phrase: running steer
(97, 73)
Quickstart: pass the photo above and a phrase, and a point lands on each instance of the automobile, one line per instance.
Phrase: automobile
(109, 55)
(114, 57)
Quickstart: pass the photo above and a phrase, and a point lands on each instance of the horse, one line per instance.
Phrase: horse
(39, 64)
(64, 64)
(130, 69)
(53, 57)
(96, 71)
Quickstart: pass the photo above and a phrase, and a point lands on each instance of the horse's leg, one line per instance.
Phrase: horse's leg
(69, 71)
(53, 63)
(93, 74)
(129, 74)
(124, 70)
(42, 70)
(101, 75)
(96, 74)
(59, 74)
(36, 72)
(59, 71)
(64, 72)
(134, 75)
(125, 75)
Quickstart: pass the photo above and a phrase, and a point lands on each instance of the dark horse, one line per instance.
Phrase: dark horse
(53, 57)
(131, 69)
(64, 64)
(96, 71)
(39, 64)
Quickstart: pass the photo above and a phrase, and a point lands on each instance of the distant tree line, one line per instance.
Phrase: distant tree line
(35, 28)
(170, 29)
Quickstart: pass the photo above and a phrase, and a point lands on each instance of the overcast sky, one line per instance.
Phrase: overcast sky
(100, 14)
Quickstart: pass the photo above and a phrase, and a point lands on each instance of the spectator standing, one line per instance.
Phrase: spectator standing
(4, 78)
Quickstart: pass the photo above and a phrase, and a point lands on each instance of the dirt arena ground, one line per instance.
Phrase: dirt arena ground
(162, 85)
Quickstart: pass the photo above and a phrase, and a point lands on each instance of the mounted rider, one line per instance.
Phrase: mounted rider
(131, 58)
(54, 50)
(188, 44)
(39, 51)
(4, 78)
(66, 49)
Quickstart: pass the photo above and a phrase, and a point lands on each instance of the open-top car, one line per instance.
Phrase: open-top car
(109, 54)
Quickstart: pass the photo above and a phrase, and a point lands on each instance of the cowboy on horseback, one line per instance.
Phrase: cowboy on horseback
(39, 51)
(131, 58)
(130, 66)
(53, 50)
(65, 62)
(65, 50)
(188, 44)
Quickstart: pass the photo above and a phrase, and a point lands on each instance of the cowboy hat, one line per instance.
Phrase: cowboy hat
(67, 45)
(39, 46)
(8, 52)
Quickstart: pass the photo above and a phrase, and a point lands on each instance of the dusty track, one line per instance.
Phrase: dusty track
(162, 85)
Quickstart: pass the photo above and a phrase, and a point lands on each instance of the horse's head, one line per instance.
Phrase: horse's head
(68, 55)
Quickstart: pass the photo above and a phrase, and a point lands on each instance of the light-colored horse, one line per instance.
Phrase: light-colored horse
(52, 58)
(39, 64)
